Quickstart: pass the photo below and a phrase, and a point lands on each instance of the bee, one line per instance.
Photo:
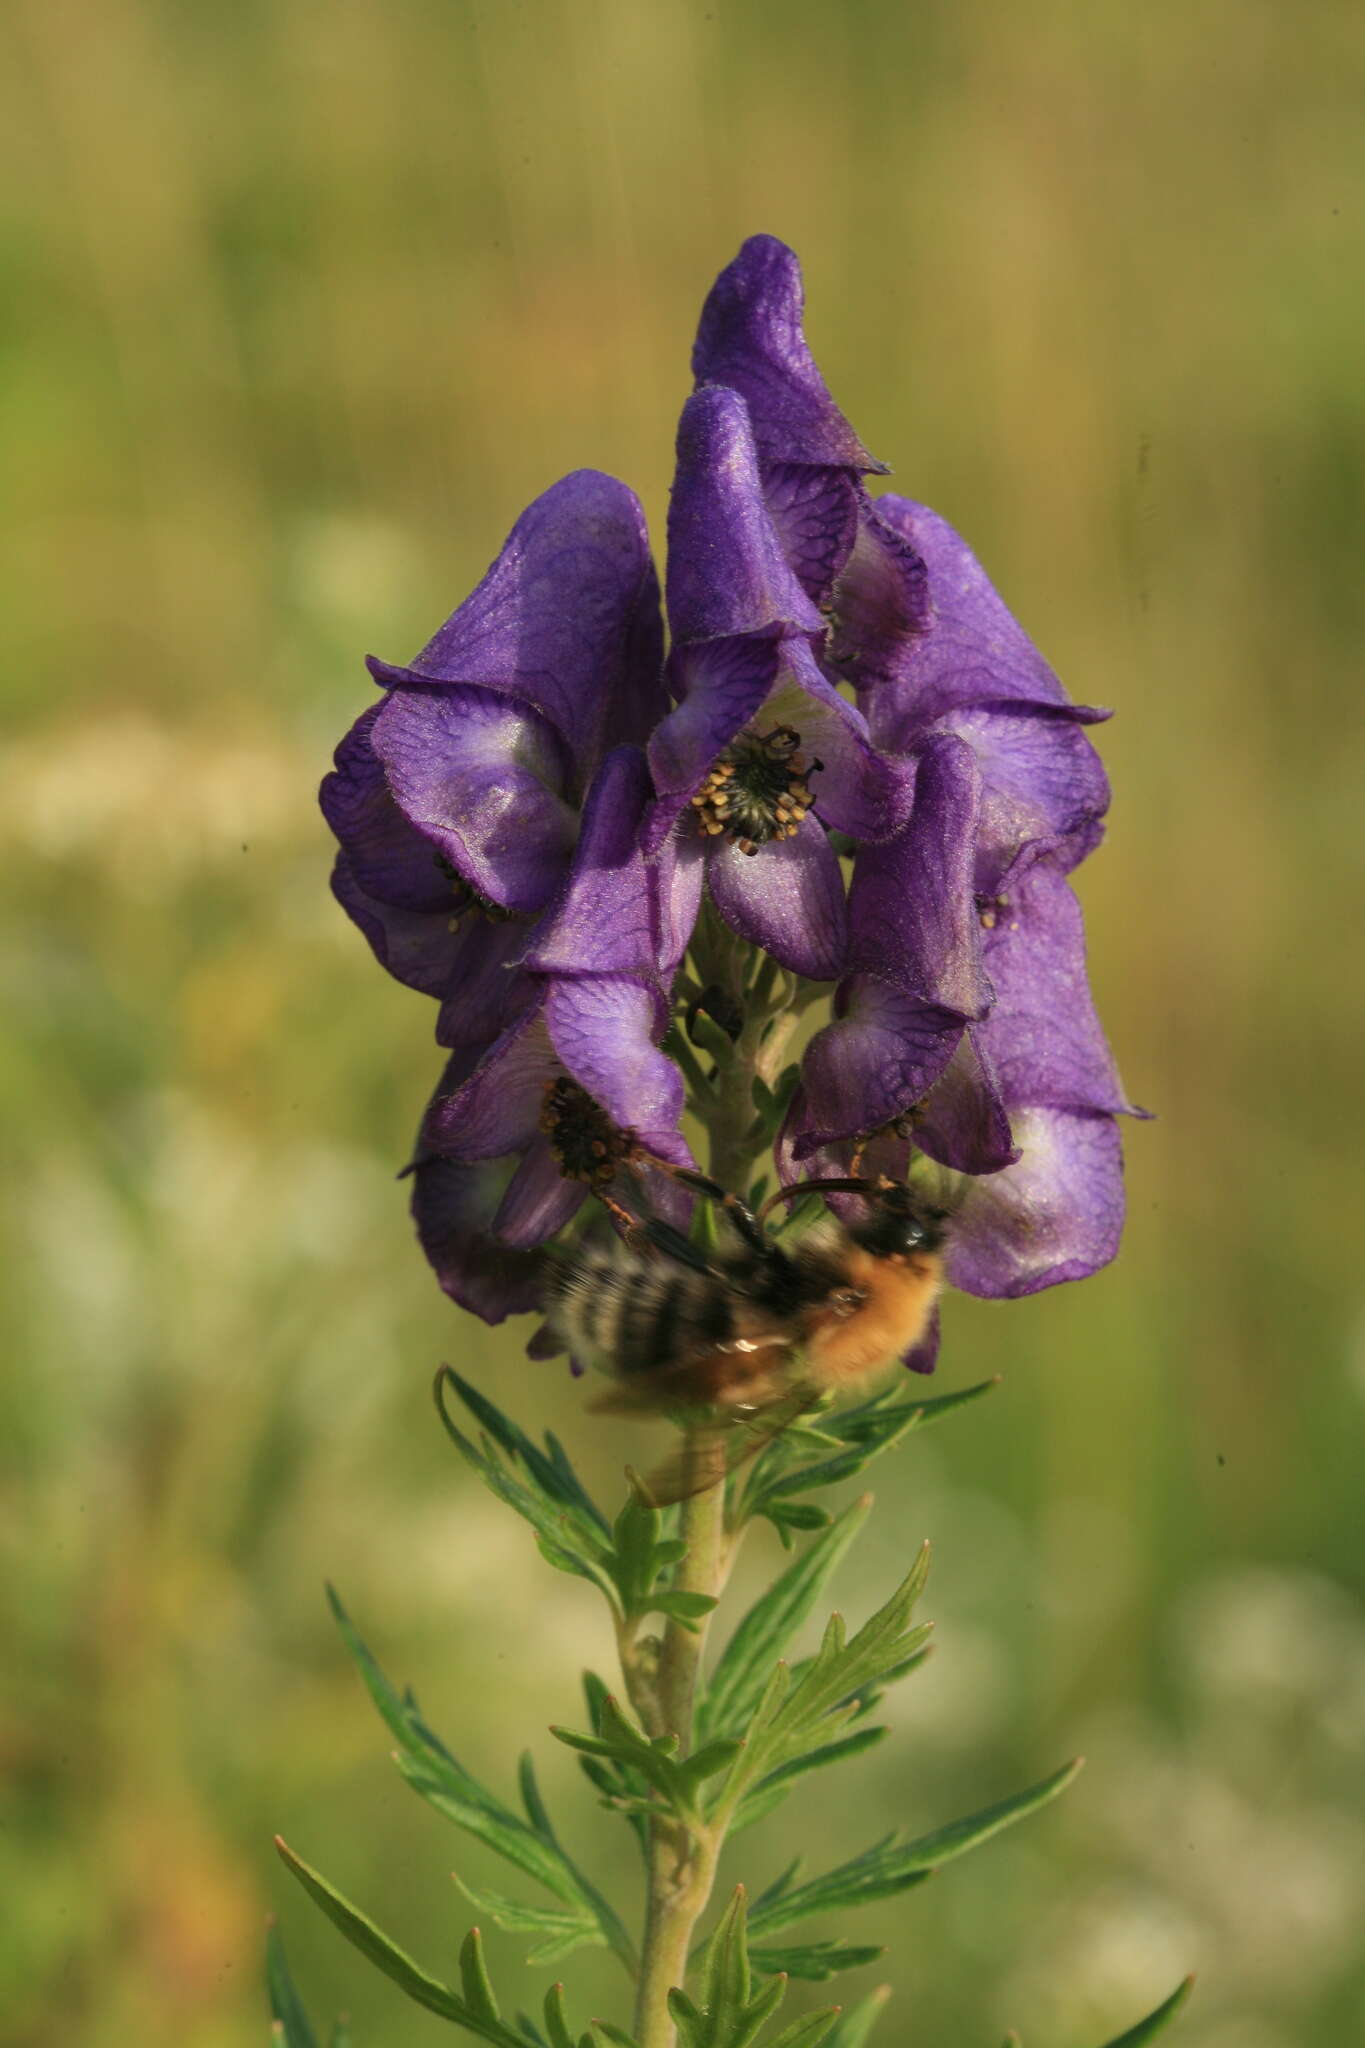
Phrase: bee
(757, 1328)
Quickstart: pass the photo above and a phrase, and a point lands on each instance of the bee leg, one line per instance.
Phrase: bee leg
(738, 1210)
(629, 1226)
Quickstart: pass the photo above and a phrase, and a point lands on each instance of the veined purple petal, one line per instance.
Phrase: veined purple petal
(452, 1207)
(878, 1059)
(815, 516)
(604, 1030)
(497, 1108)
(386, 857)
(1042, 783)
(603, 922)
(1042, 1038)
(727, 573)
(974, 650)
(881, 600)
(566, 620)
(1056, 1215)
(963, 1123)
(912, 911)
(538, 1200)
(482, 777)
(787, 899)
(750, 337)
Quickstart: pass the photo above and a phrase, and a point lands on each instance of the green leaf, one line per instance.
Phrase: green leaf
(557, 2031)
(796, 1715)
(891, 1866)
(724, 2015)
(438, 1776)
(811, 2032)
(551, 1469)
(285, 2004)
(570, 1536)
(859, 1435)
(561, 1932)
(478, 1986)
(743, 1667)
(772, 1790)
(616, 2035)
(653, 1759)
(341, 2034)
(815, 1963)
(362, 1933)
(855, 2028)
(1148, 2029)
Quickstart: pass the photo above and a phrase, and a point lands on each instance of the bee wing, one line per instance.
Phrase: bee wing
(723, 1448)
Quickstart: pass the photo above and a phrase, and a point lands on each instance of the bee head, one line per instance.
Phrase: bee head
(898, 1222)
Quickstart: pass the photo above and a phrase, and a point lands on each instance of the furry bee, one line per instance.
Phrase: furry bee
(746, 1329)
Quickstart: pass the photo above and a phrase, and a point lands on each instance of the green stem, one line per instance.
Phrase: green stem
(682, 1859)
(663, 1679)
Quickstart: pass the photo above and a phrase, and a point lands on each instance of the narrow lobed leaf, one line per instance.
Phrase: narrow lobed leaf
(855, 2028)
(769, 1625)
(814, 1963)
(1155, 2022)
(294, 2027)
(399, 1967)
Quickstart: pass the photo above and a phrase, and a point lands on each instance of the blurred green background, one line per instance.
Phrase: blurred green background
(304, 301)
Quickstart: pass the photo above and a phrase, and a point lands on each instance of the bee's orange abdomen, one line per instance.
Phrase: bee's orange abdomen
(900, 1294)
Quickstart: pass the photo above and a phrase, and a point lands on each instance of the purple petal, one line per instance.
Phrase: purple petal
(787, 899)
(1042, 783)
(676, 878)
(877, 1060)
(482, 777)
(603, 1029)
(815, 515)
(664, 1196)
(923, 1356)
(484, 992)
(858, 788)
(750, 337)
(912, 910)
(538, 1201)
(881, 601)
(963, 1124)
(566, 620)
(603, 922)
(453, 1207)
(1056, 1215)
(386, 857)
(416, 946)
(727, 573)
(497, 1108)
(974, 651)
(1043, 1038)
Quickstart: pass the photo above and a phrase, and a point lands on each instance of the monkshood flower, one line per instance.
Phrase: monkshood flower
(573, 1097)
(965, 1009)
(762, 755)
(456, 797)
